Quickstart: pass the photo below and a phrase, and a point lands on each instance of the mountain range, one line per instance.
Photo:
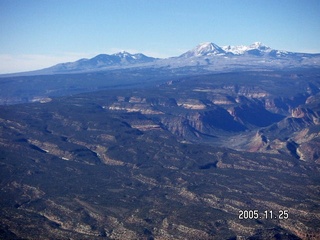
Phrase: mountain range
(103, 61)
(206, 56)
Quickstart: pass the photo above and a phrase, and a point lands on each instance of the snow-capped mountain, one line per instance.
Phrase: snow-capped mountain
(133, 58)
(204, 49)
(211, 49)
(257, 56)
(102, 61)
(255, 47)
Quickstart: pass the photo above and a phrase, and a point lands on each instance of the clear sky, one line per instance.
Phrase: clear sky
(39, 33)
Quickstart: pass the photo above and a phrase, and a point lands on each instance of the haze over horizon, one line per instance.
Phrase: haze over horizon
(39, 34)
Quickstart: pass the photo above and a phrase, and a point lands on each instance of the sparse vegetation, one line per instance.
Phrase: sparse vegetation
(76, 168)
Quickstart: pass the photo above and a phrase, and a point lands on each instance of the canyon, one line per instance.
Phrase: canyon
(177, 159)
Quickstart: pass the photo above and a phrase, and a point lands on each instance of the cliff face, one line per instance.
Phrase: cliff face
(213, 107)
(199, 116)
(297, 134)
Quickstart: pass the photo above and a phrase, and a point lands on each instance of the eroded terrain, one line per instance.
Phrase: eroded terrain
(178, 161)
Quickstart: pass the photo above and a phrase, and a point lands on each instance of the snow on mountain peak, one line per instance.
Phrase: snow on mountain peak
(259, 45)
(204, 49)
(211, 49)
(123, 54)
(256, 44)
(235, 49)
(241, 49)
(207, 48)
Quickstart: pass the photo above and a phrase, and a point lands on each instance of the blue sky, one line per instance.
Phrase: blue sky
(39, 33)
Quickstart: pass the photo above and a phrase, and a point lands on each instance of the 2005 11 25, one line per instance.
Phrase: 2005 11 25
(266, 214)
